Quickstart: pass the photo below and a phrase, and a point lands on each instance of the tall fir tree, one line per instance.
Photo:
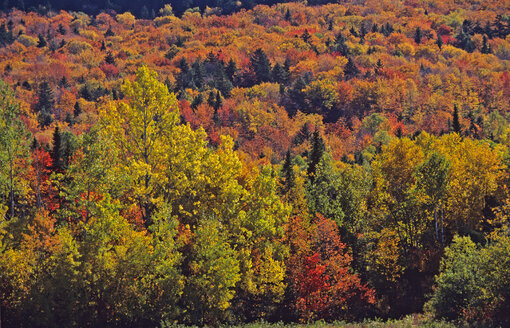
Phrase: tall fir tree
(417, 35)
(56, 151)
(211, 99)
(306, 36)
(439, 42)
(288, 16)
(350, 69)
(316, 153)
(197, 101)
(109, 32)
(297, 97)
(42, 42)
(287, 173)
(45, 104)
(340, 45)
(486, 47)
(261, 66)
(77, 109)
(231, 70)
(278, 74)
(109, 59)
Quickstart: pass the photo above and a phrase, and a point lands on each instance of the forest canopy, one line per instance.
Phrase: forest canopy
(292, 162)
(147, 9)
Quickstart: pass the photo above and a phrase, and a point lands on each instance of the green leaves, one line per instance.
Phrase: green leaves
(141, 129)
(214, 274)
(229, 219)
(14, 139)
(473, 282)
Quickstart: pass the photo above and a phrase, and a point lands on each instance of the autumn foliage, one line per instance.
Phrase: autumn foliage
(289, 162)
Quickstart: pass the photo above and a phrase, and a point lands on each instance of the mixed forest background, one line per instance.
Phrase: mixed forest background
(207, 162)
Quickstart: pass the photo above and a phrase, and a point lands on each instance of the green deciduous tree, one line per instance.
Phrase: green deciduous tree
(14, 139)
(432, 179)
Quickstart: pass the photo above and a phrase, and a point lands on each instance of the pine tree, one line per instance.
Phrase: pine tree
(286, 69)
(486, 48)
(488, 29)
(363, 31)
(439, 41)
(63, 82)
(399, 132)
(109, 59)
(288, 15)
(56, 151)
(45, 97)
(211, 99)
(231, 70)
(109, 32)
(417, 36)
(388, 29)
(456, 127)
(224, 85)
(306, 36)
(278, 74)
(302, 135)
(197, 101)
(281, 89)
(44, 105)
(316, 153)
(261, 66)
(198, 73)
(287, 173)
(350, 70)
(463, 41)
(340, 45)
(362, 34)
(353, 31)
(42, 42)
(297, 97)
(185, 77)
(77, 109)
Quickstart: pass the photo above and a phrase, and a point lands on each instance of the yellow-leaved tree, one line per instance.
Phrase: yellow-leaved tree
(230, 217)
(141, 127)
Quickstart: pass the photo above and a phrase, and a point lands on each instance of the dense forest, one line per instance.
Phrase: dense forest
(207, 163)
(146, 10)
